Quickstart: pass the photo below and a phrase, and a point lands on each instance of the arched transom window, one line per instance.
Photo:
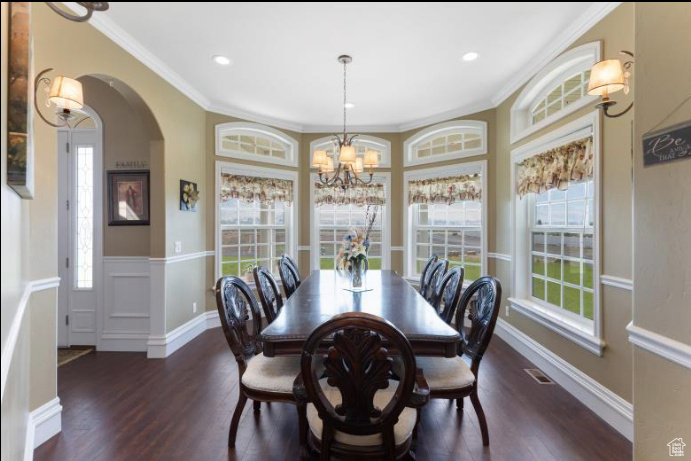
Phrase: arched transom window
(555, 92)
(251, 141)
(446, 141)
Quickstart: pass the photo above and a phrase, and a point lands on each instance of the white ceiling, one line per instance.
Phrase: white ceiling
(406, 71)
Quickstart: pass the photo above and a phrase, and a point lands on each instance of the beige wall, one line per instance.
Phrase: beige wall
(125, 138)
(662, 226)
(613, 369)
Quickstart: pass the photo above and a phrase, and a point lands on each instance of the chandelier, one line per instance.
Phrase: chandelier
(347, 174)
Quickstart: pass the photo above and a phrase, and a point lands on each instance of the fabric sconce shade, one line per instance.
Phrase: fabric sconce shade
(319, 158)
(371, 158)
(606, 77)
(347, 155)
(66, 93)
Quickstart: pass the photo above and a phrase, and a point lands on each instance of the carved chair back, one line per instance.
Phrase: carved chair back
(448, 294)
(240, 318)
(423, 277)
(481, 299)
(290, 275)
(434, 276)
(358, 365)
(269, 293)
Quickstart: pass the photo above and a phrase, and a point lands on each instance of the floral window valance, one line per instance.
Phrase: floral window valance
(371, 194)
(556, 168)
(445, 190)
(251, 188)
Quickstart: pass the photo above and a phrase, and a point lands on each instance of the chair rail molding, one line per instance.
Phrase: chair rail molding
(617, 282)
(499, 256)
(33, 286)
(667, 348)
(616, 411)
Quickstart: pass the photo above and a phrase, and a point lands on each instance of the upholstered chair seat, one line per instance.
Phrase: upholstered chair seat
(446, 373)
(403, 429)
(271, 374)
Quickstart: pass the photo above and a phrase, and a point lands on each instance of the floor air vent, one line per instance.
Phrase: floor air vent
(538, 376)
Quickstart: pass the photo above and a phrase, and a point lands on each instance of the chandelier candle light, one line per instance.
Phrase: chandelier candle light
(349, 164)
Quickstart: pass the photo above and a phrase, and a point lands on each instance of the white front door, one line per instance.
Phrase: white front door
(80, 200)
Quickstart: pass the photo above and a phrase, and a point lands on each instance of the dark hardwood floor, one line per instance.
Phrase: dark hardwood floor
(122, 406)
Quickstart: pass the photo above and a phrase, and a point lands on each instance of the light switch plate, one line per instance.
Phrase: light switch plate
(178, 247)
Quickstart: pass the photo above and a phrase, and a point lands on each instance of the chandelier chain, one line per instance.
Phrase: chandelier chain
(344, 98)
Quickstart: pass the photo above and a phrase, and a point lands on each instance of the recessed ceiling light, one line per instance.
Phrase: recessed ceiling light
(222, 60)
(349, 105)
(470, 56)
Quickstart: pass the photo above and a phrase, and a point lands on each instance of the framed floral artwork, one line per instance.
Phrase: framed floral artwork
(189, 195)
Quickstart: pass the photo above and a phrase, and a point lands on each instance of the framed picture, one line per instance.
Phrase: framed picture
(128, 198)
(20, 101)
(189, 195)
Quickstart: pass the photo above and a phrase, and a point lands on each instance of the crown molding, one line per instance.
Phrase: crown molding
(114, 32)
(107, 27)
(256, 118)
(576, 29)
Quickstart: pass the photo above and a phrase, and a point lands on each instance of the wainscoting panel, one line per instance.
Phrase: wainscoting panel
(127, 291)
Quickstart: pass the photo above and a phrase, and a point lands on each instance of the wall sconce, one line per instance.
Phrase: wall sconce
(64, 92)
(609, 76)
(90, 8)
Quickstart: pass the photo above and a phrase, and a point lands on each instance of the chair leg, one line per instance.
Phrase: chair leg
(417, 424)
(257, 406)
(481, 417)
(459, 404)
(236, 419)
(302, 431)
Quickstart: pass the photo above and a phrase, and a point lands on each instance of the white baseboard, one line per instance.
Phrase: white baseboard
(616, 411)
(44, 422)
(160, 347)
(212, 319)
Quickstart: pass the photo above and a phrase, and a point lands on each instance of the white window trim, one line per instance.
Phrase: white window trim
(410, 144)
(386, 224)
(479, 166)
(574, 61)
(379, 144)
(590, 338)
(255, 129)
(260, 172)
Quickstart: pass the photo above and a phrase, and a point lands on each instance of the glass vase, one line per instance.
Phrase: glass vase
(357, 272)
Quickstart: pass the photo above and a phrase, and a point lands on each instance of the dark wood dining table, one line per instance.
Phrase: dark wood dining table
(325, 293)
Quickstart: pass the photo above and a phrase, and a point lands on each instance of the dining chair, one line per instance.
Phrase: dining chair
(356, 410)
(448, 294)
(261, 378)
(290, 275)
(452, 378)
(434, 276)
(269, 293)
(423, 276)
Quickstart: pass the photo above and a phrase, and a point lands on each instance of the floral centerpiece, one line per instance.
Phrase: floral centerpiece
(355, 247)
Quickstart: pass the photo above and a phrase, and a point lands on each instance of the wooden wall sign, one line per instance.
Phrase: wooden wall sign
(673, 143)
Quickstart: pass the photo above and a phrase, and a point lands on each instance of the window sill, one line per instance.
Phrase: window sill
(572, 331)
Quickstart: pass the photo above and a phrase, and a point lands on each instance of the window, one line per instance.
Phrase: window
(332, 221)
(567, 92)
(555, 232)
(562, 248)
(361, 143)
(251, 141)
(256, 209)
(454, 229)
(556, 91)
(445, 141)
(84, 218)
